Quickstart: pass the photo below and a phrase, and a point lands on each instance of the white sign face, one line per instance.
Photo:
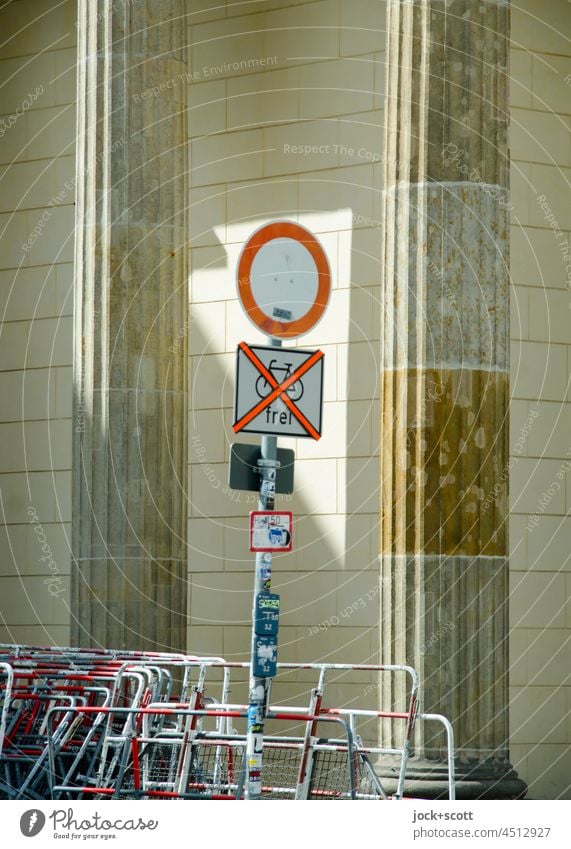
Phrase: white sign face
(270, 530)
(284, 280)
(262, 406)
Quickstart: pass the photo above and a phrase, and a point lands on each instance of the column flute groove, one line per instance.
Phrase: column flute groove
(445, 383)
(129, 515)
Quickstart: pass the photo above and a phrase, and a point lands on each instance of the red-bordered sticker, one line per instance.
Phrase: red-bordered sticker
(271, 530)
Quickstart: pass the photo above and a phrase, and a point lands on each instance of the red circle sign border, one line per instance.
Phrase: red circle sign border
(269, 326)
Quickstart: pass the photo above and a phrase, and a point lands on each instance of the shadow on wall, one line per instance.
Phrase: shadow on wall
(329, 584)
(285, 118)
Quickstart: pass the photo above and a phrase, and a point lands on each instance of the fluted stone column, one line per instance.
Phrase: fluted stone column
(445, 382)
(130, 368)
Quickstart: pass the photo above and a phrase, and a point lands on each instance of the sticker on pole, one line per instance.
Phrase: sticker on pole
(270, 530)
(265, 657)
(278, 391)
(284, 280)
(267, 614)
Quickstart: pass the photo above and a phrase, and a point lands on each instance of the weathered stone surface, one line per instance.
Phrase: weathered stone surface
(130, 384)
(450, 427)
(445, 377)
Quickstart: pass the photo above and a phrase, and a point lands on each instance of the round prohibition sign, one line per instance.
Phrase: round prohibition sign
(284, 280)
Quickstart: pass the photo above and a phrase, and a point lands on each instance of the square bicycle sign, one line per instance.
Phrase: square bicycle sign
(278, 391)
(271, 530)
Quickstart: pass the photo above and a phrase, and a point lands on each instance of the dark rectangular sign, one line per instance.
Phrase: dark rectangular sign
(244, 472)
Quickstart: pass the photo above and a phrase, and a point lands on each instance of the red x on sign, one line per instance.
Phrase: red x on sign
(277, 392)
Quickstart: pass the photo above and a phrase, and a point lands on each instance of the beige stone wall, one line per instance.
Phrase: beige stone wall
(256, 90)
(37, 184)
(278, 133)
(540, 526)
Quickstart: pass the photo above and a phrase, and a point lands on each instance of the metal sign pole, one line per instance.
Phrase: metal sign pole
(286, 254)
(259, 686)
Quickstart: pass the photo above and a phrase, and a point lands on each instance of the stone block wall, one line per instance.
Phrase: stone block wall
(286, 120)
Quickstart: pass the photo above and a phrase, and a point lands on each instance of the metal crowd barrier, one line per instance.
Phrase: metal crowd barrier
(89, 724)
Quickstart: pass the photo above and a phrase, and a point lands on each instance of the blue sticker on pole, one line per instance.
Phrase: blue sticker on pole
(265, 657)
(253, 716)
(267, 615)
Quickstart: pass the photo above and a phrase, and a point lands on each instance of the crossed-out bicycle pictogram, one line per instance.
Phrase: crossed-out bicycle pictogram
(281, 390)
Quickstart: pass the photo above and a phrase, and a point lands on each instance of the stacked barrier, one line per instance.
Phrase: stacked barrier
(87, 724)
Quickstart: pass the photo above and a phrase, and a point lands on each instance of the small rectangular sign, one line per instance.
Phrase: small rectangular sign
(265, 657)
(267, 617)
(271, 530)
(244, 472)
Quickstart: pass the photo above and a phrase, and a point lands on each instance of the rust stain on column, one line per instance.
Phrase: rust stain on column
(449, 475)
